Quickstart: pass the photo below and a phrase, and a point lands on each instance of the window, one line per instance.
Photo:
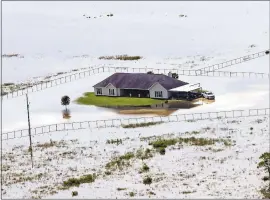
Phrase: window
(158, 93)
(111, 92)
(99, 91)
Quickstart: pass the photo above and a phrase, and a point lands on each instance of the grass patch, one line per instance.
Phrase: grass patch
(144, 154)
(187, 192)
(163, 143)
(120, 57)
(90, 98)
(265, 192)
(89, 178)
(144, 124)
(120, 162)
(144, 168)
(119, 189)
(46, 144)
(159, 112)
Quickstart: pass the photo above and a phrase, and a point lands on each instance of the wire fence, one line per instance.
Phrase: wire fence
(232, 62)
(70, 78)
(121, 122)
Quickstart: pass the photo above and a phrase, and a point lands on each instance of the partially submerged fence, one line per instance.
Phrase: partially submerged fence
(120, 122)
(76, 76)
(232, 62)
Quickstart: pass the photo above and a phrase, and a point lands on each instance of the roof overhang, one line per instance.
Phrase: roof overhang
(186, 88)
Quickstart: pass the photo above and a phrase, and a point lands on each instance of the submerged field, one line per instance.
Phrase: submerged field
(213, 159)
(193, 159)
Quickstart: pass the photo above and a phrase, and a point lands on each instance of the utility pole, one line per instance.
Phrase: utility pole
(29, 130)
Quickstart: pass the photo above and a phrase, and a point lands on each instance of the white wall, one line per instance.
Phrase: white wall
(105, 90)
(158, 87)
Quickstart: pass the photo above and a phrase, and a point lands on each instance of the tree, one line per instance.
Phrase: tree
(265, 163)
(65, 100)
(175, 75)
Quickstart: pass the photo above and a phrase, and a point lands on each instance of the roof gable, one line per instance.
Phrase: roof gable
(141, 81)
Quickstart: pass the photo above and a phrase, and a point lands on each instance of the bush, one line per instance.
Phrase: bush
(131, 194)
(145, 168)
(74, 193)
(162, 151)
(89, 178)
(163, 143)
(147, 180)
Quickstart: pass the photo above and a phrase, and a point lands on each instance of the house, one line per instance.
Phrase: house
(157, 86)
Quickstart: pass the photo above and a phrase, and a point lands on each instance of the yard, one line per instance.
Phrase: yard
(89, 98)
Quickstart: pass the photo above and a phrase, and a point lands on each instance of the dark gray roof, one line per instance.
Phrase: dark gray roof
(140, 81)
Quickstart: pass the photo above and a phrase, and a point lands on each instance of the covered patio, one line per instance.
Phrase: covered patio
(186, 92)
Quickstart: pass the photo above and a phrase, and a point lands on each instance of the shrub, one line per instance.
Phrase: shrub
(89, 178)
(162, 151)
(251, 128)
(74, 193)
(265, 178)
(147, 180)
(145, 168)
(163, 143)
(141, 124)
(108, 173)
(143, 155)
(131, 194)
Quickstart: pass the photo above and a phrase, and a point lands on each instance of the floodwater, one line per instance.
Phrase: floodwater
(53, 36)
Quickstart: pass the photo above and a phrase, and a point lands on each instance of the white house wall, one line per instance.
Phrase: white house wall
(105, 91)
(157, 87)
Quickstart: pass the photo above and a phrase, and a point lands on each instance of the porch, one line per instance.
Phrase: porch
(134, 93)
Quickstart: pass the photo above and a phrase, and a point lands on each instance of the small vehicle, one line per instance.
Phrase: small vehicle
(208, 95)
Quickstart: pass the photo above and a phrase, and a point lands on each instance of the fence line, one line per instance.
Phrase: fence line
(72, 77)
(120, 122)
(232, 62)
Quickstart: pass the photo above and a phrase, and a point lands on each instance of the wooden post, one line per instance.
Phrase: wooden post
(29, 130)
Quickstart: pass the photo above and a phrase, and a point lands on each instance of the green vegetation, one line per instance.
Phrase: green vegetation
(46, 144)
(108, 173)
(89, 178)
(90, 98)
(120, 57)
(117, 141)
(131, 194)
(143, 155)
(162, 151)
(144, 168)
(74, 193)
(120, 162)
(265, 164)
(147, 180)
(119, 189)
(187, 192)
(163, 143)
(141, 124)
